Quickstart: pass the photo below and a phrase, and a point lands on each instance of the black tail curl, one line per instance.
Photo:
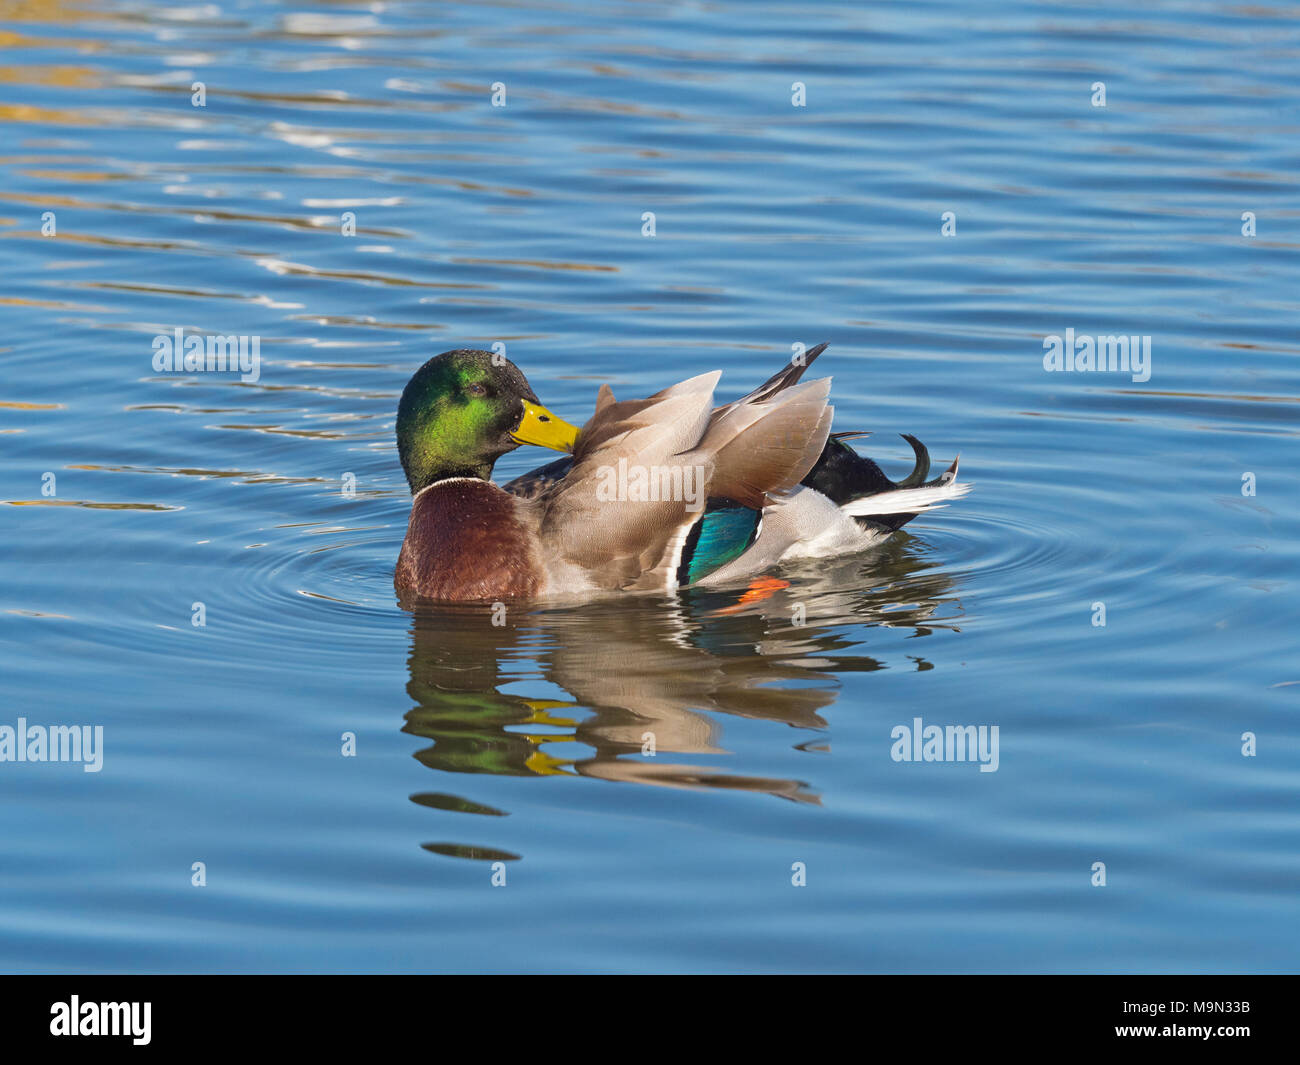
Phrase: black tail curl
(842, 475)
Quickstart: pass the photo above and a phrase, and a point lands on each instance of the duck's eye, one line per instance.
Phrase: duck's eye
(476, 389)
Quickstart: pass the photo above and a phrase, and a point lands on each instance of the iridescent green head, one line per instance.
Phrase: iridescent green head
(462, 410)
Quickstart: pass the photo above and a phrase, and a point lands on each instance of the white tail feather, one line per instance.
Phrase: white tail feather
(906, 500)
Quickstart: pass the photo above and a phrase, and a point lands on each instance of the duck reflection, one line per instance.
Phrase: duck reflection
(642, 679)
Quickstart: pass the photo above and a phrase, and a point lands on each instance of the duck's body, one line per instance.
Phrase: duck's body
(660, 493)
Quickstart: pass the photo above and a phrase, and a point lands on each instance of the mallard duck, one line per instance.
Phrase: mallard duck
(652, 495)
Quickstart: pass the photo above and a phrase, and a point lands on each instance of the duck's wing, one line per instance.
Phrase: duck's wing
(644, 471)
(532, 484)
(597, 519)
(784, 378)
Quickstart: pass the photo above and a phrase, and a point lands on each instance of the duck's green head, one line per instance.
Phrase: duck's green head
(463, 410)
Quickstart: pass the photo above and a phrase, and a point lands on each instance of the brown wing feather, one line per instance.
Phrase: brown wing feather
(764, 448)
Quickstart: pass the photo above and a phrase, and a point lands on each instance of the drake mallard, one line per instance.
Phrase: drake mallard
(653, 494)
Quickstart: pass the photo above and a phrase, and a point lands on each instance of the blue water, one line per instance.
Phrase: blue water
(775, 225)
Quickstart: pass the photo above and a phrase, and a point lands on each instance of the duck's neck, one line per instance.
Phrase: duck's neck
(427, 461)
(421, 479)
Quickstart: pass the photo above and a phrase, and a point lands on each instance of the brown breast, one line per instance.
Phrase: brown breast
(464, 541)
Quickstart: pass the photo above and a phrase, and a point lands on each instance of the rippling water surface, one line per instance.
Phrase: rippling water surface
(774, 225)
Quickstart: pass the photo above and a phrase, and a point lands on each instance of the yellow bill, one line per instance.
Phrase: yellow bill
(539, 426)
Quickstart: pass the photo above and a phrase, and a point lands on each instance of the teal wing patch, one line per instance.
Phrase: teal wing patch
(723, 533)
